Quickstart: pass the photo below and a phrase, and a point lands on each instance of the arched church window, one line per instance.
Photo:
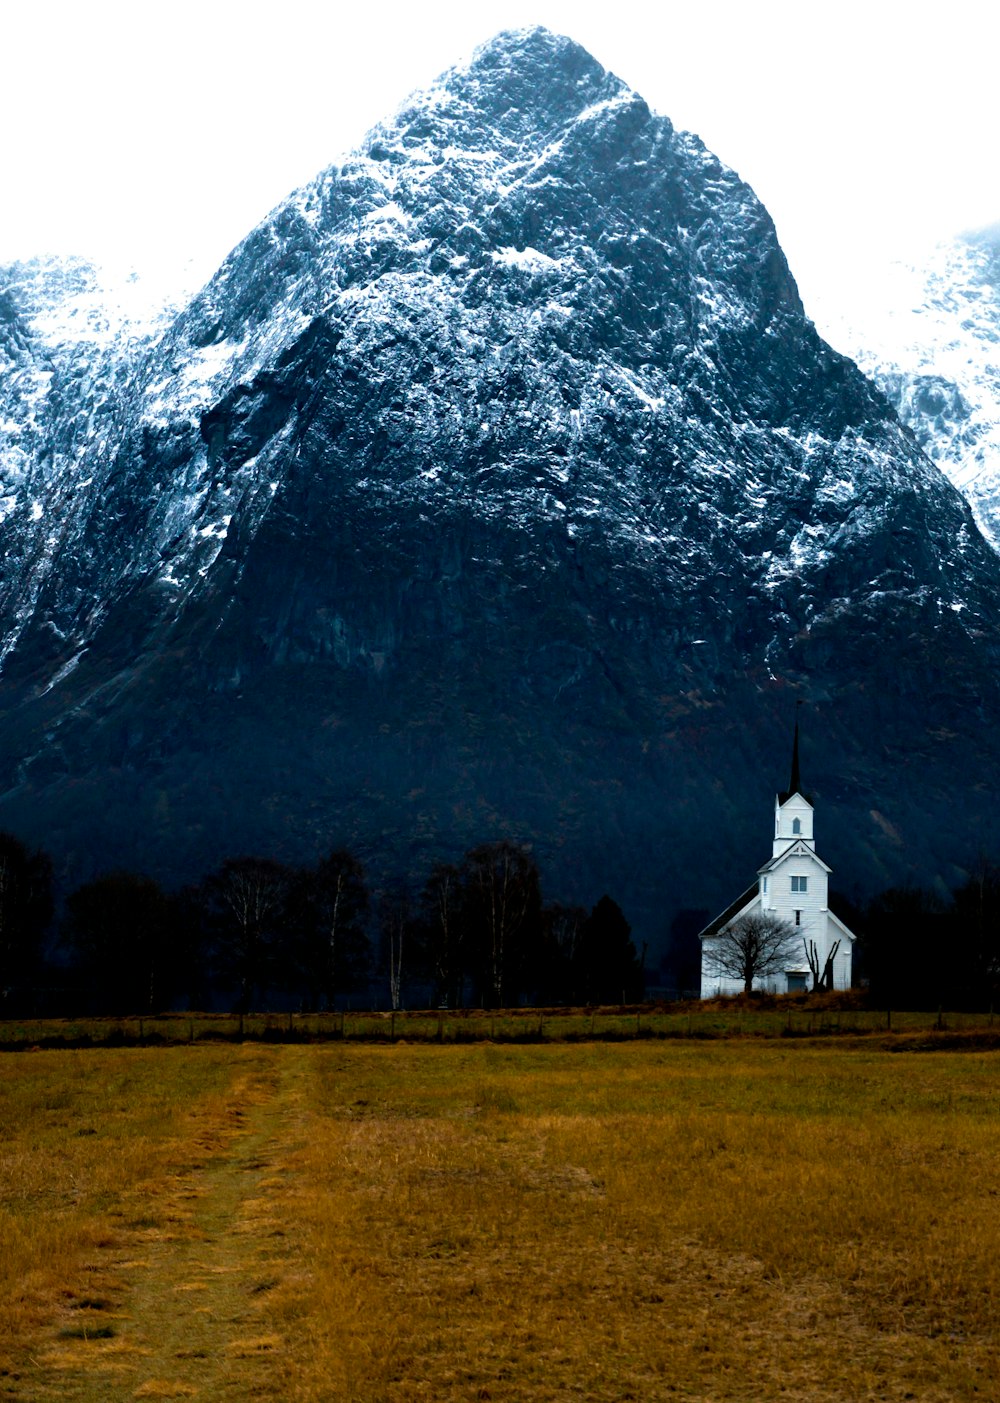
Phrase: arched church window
(796, 825)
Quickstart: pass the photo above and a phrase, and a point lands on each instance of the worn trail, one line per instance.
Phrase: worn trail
(179, 1305)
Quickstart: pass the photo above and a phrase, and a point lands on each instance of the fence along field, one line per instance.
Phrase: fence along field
(783, 1017)
(724, 1220)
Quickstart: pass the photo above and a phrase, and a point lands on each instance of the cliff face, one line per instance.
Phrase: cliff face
(929, 336)
(496, 485)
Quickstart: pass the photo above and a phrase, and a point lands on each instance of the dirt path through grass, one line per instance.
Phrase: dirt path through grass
(178, 1314)
(727, 1224)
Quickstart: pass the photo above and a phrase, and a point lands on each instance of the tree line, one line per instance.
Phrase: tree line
(257, 933)
(920, 948)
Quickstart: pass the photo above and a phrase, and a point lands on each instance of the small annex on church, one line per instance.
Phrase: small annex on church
(793, 887)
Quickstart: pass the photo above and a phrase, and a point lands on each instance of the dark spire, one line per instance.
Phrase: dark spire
(795, 783)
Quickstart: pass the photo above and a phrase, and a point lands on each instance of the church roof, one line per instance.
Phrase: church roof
(797, 848)
(840, 923)
(730, 913)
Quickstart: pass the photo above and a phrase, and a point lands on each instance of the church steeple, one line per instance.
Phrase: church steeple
(795, 783)
(793, 812)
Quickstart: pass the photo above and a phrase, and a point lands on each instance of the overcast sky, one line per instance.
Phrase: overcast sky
(163, 132)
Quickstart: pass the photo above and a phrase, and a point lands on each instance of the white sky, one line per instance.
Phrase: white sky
(159, 133)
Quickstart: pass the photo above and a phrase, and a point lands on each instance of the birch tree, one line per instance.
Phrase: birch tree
(504, 902)
(395, 919)
(442, 927)
(330, 906)
(246, 901)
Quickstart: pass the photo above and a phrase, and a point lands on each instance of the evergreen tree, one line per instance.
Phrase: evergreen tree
(25, 912)
(120, 936)
(607, 967)
(902, 939)
(975, 922)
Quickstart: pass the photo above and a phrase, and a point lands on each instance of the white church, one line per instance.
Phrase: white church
(792, 887)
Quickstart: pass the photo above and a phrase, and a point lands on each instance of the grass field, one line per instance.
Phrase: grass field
(718, 1220)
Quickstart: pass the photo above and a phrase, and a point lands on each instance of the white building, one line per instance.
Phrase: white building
(794, 888)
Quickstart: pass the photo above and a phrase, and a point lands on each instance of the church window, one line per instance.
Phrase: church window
(798, 918)
(796, 825)
(764, 887)
(800, 884)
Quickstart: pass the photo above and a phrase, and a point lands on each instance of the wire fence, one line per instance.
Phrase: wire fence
(521, 1025)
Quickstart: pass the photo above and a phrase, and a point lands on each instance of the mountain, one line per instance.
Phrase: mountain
(928, 332)
(496, 485)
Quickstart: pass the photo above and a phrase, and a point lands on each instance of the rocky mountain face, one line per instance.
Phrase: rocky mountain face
(496, 486)
(928, 333)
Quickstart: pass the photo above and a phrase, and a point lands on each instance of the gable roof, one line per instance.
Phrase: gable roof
(731, 912)
(786, 795)
(796, 848)
(840, 925)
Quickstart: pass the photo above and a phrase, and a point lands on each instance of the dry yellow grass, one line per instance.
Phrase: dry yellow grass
(726, 1222)
(109, 1160)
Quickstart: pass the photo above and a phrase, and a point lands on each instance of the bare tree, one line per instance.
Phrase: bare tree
(245, 902)
(504, 902)
(441, 931)
(329, 906)
(822, 979)
(553, 970)
(395, 918)
(750, 948)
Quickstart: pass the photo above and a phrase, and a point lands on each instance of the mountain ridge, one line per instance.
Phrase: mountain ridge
(496, 485)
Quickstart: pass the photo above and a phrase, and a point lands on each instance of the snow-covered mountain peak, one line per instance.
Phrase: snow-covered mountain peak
(524, 78)
(525, 220)
(927, 329)
(492, 483)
